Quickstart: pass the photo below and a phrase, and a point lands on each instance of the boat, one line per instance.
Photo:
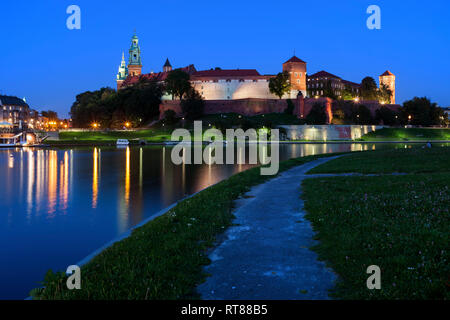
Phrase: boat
(122, 142)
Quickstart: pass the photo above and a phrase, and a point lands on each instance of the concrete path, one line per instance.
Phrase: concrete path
(266, 255)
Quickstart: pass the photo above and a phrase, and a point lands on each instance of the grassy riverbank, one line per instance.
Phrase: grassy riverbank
(106, 137)
(164, 258)
(398, 222)
(407, 134)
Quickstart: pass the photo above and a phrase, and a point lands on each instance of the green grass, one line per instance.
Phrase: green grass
(411, 160)
(398, 222)
(407, 134)
(155, 135)
(164, 258)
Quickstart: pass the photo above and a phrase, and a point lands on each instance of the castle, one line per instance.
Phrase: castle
(234, 84)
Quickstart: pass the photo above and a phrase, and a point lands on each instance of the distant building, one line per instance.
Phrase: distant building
(216, 84)
(388, 79)
(323, 83)
(233, 84)
(447, 112)
(14, 110)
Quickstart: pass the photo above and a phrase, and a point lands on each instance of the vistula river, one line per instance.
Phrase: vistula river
(59, 205)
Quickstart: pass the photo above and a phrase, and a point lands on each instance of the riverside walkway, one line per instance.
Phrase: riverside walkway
(266, 254)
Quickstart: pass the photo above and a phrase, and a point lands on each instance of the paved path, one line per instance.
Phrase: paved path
(266, 255)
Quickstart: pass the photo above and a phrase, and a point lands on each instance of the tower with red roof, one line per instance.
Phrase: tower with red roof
(297, 75)
(388, 79)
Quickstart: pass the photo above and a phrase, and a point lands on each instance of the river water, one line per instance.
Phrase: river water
(59, 205)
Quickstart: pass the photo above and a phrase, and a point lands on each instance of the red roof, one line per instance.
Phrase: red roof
(387, 73)
(227, 73)
(351, 83)
(295, 59)
(158, 76)
(323, 74)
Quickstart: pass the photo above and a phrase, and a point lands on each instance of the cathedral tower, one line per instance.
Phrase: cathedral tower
(297, 75)
(122, 74)
(134, 61)
(167, 66)
(388, 79)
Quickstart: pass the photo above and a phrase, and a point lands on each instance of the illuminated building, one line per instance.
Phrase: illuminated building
(388, 79)
(217, 83)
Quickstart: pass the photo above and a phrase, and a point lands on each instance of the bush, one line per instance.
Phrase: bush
(317, 115)
(290, 107)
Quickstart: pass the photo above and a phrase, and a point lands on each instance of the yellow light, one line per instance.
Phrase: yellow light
(95, 125)
(127, 124)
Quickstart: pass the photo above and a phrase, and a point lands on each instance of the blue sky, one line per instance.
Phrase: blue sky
(42, 60)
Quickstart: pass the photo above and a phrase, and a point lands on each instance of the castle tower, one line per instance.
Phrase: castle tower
(167, 66)
(134, 61)
(122, 74)
(388, 79)
(297, 75)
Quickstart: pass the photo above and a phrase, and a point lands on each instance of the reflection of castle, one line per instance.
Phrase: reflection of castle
(231, 84)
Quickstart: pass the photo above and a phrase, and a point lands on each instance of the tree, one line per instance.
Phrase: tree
(177, 83)
(422, 111)
(279, 85)
(290, 107)
(361, 115)
(317, 115)
(135, 104)
(387, 116)
(369, 90)
(170, 117)
(384, 94)
(51, 115)
(193, 106)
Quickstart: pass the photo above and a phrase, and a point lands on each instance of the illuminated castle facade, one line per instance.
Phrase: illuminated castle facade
(215, 84)
(232, 84)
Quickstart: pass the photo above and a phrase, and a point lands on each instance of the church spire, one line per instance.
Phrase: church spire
(167, 66)
(134, 61)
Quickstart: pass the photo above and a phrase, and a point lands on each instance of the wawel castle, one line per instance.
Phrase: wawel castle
(233, 84)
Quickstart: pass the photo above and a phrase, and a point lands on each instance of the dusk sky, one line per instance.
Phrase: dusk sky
(47, 63)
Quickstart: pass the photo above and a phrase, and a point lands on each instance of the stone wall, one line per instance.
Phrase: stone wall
(248, 107)
(255, 106)
(327, 132)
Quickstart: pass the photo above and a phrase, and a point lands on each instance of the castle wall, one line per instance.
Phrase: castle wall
(248, 107)
(234, 89)
(328, 132)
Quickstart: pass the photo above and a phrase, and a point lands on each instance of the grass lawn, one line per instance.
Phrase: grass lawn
(411, 160)
(399, 222)
(164, 258)
(407, 134)
(155, 135)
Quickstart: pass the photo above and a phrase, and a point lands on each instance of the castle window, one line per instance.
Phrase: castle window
(300, 74)
(298, 81)
(295, 74)
(228, 80)
(241, 80)
(254, 80)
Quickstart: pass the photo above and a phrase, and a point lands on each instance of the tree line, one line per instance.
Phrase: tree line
(134, 105)
(417, 112)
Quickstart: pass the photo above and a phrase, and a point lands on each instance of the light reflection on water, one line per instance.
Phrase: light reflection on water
(58, 205)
